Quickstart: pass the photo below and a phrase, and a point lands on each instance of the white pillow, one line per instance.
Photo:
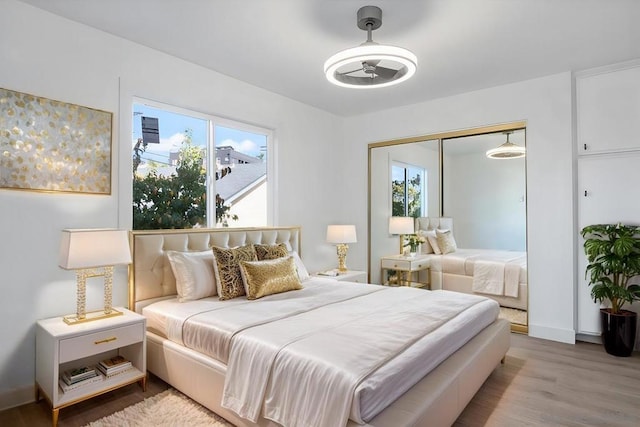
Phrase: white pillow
(433, 241)
(426, 246)
(446, 242)
(303, 274)
(195, 278)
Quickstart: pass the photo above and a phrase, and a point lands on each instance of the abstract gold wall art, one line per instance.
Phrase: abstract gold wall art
(51, 145)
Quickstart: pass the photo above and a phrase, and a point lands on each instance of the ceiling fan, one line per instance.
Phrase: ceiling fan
(370, 64)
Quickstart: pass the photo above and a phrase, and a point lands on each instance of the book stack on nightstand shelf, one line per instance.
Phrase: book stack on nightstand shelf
(348, 276)
(114, 366)
(76, 378)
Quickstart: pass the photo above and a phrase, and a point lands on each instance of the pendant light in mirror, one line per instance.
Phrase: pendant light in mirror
(508, 150)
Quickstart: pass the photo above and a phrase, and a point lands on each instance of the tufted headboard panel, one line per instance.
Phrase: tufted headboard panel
(431, 223)
(150, 274)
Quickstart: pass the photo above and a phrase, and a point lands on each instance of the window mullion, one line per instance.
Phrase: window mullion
(211, 176)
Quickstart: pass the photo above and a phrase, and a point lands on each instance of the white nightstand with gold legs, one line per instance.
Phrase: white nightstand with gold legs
(406, 270)
(61, 347)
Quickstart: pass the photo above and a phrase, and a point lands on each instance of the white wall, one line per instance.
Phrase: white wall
(486, 199)
(545, 104)
(48, 56)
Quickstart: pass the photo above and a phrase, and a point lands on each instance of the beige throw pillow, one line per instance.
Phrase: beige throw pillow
(267, 277)
(446, 242)
(426, 247)
(226, 266)
(433, 241)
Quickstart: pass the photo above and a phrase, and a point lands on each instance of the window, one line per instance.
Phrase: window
(408, 197)
(196, 170)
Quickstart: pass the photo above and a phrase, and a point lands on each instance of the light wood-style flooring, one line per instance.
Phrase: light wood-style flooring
(541, 383)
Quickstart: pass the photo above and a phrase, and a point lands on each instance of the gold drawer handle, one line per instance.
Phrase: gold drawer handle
(395, 265)
(106, 340)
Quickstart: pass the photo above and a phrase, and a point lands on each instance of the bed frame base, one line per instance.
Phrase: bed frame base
(436, 400)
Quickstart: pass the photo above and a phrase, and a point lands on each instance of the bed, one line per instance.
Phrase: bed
(192, 364)
(477, 270)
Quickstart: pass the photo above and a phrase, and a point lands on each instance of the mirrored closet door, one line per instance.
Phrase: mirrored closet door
(477, 178)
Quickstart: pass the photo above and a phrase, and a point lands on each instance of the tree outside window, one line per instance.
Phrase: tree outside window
(407, 190)
(184, 179)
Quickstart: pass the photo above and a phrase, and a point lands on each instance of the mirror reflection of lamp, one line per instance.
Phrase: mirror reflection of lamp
(93, 253)
(340, 235)
(401, 225)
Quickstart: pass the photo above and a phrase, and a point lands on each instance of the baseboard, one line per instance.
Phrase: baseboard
(17, 397)
(594, 339)
(554, 334)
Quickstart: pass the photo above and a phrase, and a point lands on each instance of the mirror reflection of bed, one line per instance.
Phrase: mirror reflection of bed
(482, 200)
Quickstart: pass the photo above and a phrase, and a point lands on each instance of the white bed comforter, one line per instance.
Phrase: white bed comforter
(316, 357)
(494, 272)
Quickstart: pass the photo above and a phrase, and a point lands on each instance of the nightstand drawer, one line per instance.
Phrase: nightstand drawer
(87, 345)
(405, 264)
(392, 264)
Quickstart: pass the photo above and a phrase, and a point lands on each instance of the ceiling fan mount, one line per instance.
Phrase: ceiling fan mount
(369, 18)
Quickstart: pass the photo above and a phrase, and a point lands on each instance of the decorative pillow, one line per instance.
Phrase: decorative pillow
(446, 242)
(426, 246)
(226, 265)
(271, 251)
(303, 273)
(194, 274)
(433, 241)
(267, 277)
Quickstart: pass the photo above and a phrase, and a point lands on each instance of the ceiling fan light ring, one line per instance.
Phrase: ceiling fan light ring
(506, 151)
(370, 52)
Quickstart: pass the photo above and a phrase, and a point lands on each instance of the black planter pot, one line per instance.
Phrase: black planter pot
(618, 332)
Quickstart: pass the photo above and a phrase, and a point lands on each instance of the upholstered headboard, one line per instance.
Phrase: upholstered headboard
(150, 275)
(432, 223)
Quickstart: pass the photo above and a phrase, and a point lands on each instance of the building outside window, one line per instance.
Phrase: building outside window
(196, 170)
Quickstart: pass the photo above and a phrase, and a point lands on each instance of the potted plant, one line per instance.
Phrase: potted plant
(613, 255)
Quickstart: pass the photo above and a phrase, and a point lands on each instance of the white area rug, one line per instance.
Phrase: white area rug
(514, 316)
(167, 409)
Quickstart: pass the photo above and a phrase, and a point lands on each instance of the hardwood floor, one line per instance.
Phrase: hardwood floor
(39, 414)
(544, 383)
(541, 383)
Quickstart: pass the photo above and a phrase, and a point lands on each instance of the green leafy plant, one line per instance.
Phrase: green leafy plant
(613, 253)
(177, 200)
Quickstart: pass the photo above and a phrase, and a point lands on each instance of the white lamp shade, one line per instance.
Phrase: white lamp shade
(341, 234)
(401, 225)
(94, 248)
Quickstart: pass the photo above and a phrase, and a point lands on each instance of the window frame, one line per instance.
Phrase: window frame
(214, 120)
(423, 187)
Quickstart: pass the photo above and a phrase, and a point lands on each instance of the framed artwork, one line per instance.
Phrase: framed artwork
(48, 145)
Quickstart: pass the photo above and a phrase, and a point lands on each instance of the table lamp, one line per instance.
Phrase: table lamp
(401, 225)
(340, 235)
(93, 253)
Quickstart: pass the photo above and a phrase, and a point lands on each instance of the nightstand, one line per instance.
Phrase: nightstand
(60, 347)
(349, 276)
(405, 268)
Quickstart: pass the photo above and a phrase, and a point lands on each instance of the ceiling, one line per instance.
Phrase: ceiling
(461, 45)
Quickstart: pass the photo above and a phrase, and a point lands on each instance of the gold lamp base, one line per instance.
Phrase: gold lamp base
(341, 249)
(82, 315)
(74, 319)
